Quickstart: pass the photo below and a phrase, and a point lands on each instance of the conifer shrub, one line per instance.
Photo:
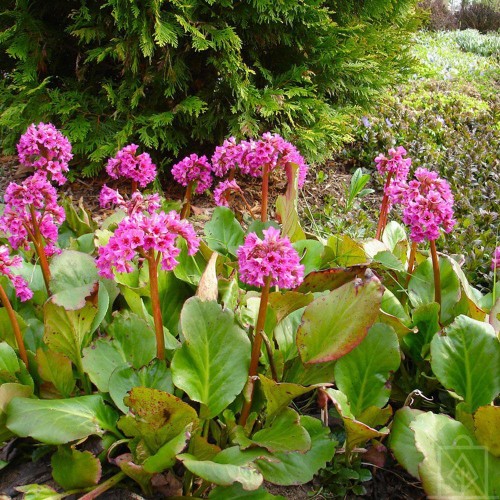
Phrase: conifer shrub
(175, 76)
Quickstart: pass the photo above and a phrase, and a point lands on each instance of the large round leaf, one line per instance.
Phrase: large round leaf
(466, 361)
(334, 324)
(73, 469)
(212, 364)
(363, 373)
(224, 233)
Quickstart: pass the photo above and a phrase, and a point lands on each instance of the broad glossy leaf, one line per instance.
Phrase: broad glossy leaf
(73, 278)
(307, 375)
(6, 331)
(494, 317)
(9, 391)
(286, 303)
(402, 440)
(60, 421)
(310, 252)
(212, 364)
(426, 320)
(135, 472)
(208, 284)
(57, 369)
(466, 361)
(394, 233)
(224, 233)
(388, 261)
(9, 364)
(236, 491)
(299, 468)
(39, 492)
(329, 279)
(68, 332)
(73, 469)
(157, 417)
(362, 374)
(223, 474)
(454, 464)
(487, 428)
(334, 324)
(357, 432)
(191, 267)
(345, 251)
(156, 375)
(421, 287)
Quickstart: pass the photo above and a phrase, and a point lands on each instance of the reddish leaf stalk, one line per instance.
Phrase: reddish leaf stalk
(135, 186)
(15, 326)
(37, 239)
(112, 481)
(384, 209)
(437, 274)
(155, 304)
(186, 208)
(257, 343)
(411, 261)
(265, 193)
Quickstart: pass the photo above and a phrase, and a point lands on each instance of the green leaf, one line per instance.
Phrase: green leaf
(362, 374)
(389, 261)
(421, 287)
(394, 233)
(157, 417)
(466, 361)
(68, 332)
(57, 369)
(9, 363)
(73, 278)
(223, 474)
(487, 428)
(131, 341)
(73, 469)
(39, 492)
(310, 252)
(9, 391)
(223, 233)
(60, 421)
(212, 364)
(426, 319)
(156, 376)
(329, 279)
(6, 331)
(402, 440)
(345, 251)
(300, 468)
(336, 323)
(165, 457)
(454, 464)
(236, 491)
(286, 303)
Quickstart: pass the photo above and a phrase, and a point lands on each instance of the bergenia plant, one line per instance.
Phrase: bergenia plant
(396, 168)
(267, 262)
(151, 237)
(47, 150)
(195, 173)
(32, 216)
(139, 168)
(223, 192)
(22, 291)
(495, 261)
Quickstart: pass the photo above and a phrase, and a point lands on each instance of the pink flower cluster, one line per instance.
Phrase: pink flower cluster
(427, 204)
(127, 163)
(251, 156)
(142, 232)
(272, 257)
(193, 168)
(137, 202)
(20, 284)
(38, 195)
(46, 149)
(495, 261)
(222, 190)
(395, 164)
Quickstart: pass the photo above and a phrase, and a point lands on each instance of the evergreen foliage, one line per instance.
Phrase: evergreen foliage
(176, 76)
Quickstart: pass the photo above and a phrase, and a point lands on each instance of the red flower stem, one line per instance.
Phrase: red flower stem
(411, 261)
(104, 486)
(135, 187)
(186, 208)
(382, 220)
(257, 343)
(39, 248)
(437, 274)
(15, 325)
(265, 193)
(155, 304)
(231, 174)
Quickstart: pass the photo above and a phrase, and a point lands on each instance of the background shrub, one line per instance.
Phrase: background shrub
(439, 15)
(177, 77)
(481, 16)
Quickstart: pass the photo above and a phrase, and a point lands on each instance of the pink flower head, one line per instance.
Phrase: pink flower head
(137, 202)
(395, 164)
(193, 168)
(127, 163)
(495, 261)
(226, 157)
(427, 205)
(19, 283)
(222, 190)
(141, 232)
(37, 194)
(273, 256)
(271, 151)
(42, 146)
